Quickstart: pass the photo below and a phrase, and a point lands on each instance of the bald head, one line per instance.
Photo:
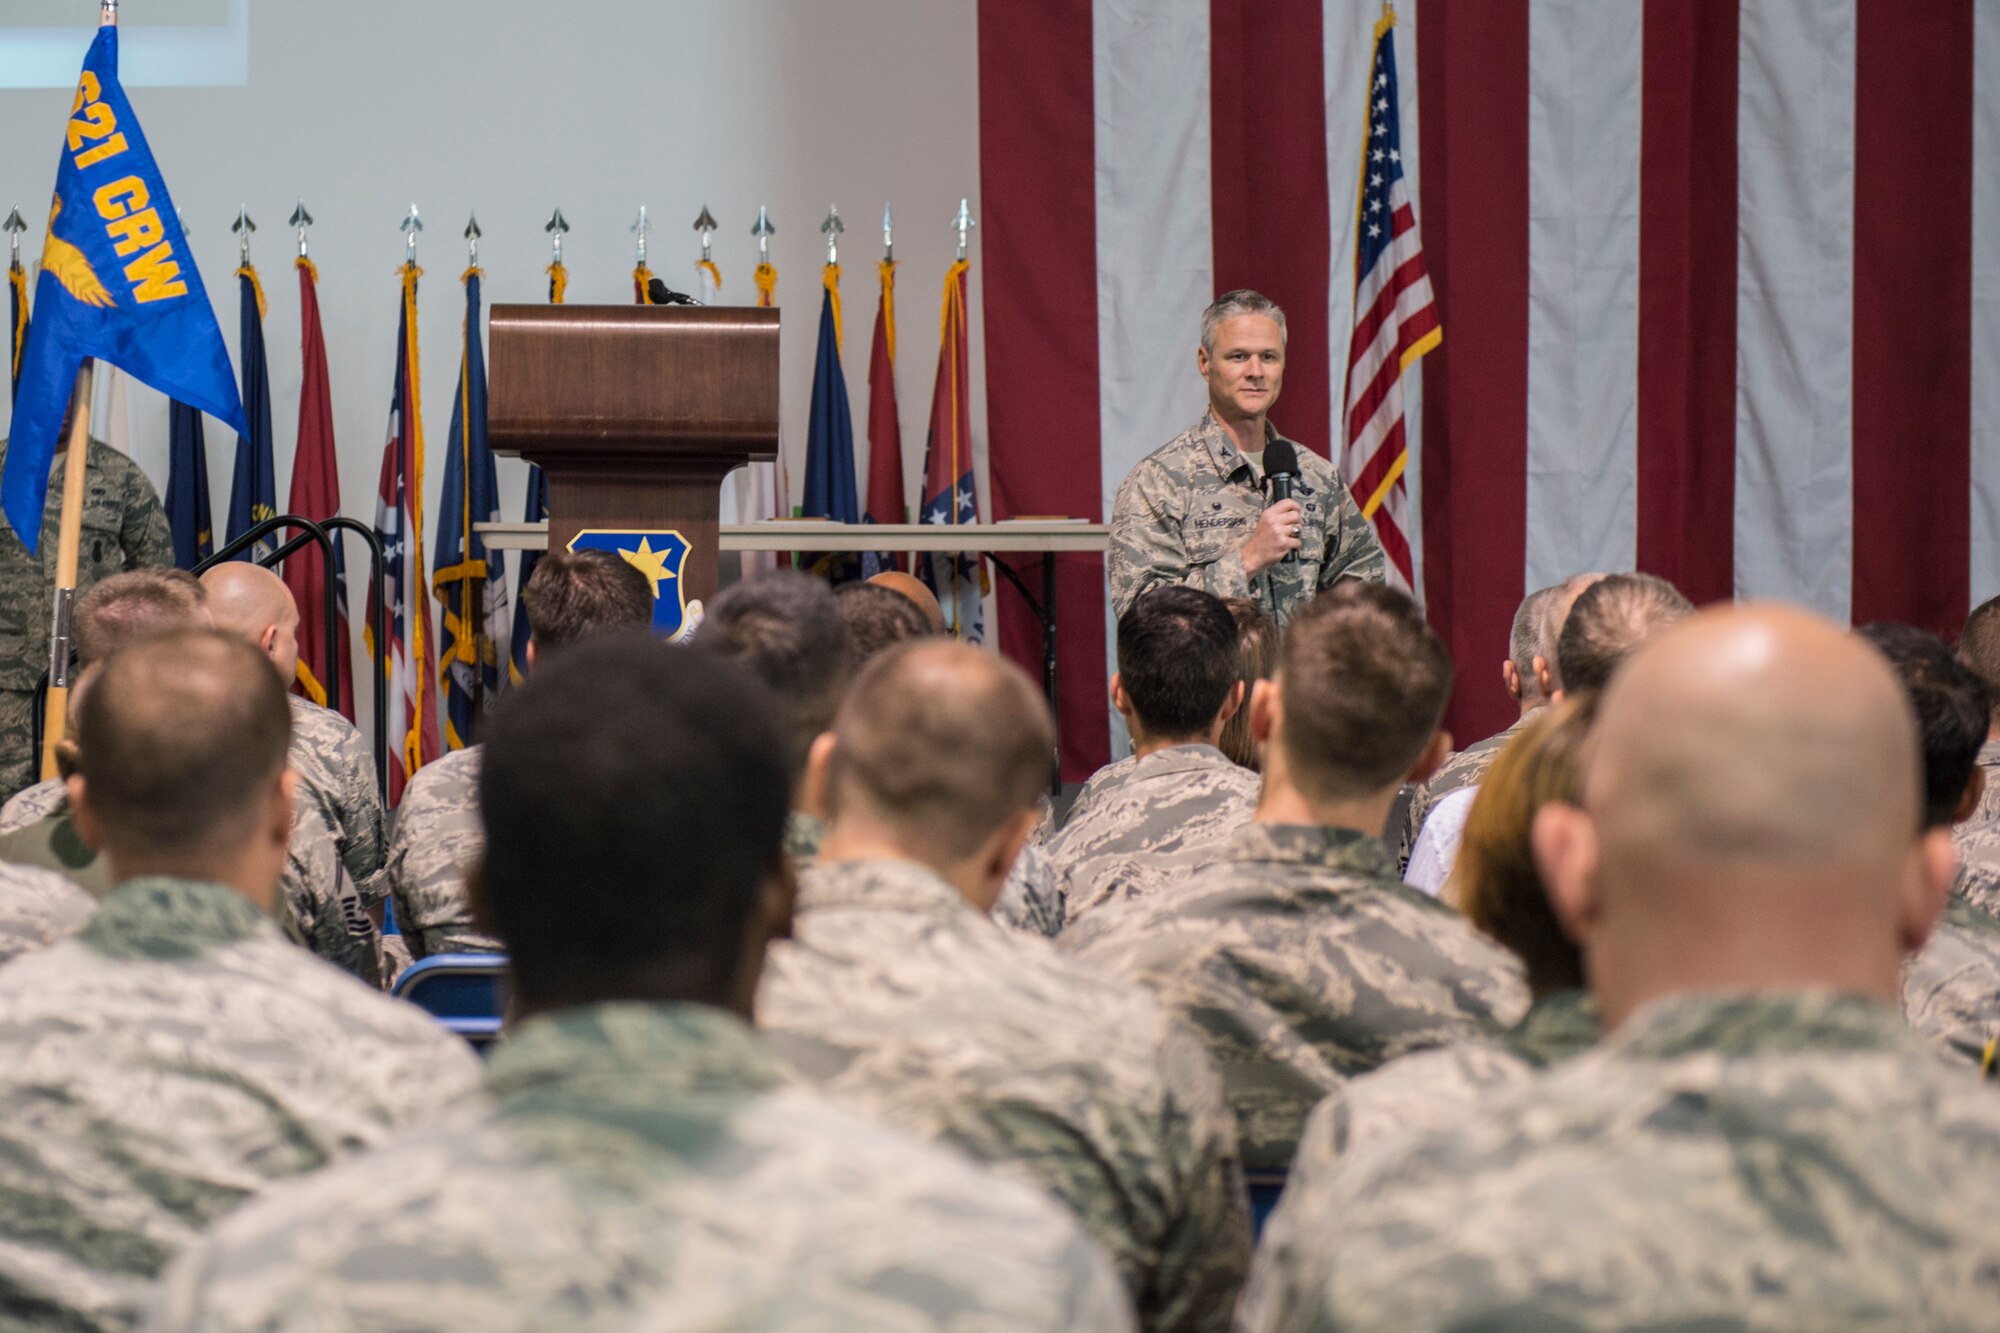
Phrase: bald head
(908, 585)
(1754, 814)
(252, 603)
(942, 745)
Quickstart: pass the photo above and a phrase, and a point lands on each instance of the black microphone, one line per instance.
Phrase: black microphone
(662, 294)
(1281, 473)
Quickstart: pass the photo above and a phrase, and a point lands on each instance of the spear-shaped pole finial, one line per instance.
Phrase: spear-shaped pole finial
(243, 226)
(705, 224)
(472, 234)
(300, 220)
(763, 230)
(639, 229)
(107, 13)
(555, 227)
(15, 226)
(888, 235)
(412, 224)
(964, 224)
(831, 229)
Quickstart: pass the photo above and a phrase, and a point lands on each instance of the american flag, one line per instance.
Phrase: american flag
(1395, 316)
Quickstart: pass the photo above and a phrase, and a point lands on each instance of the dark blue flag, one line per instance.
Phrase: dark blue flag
(118, 283)
(830, 489)
(470, 583)
(187, 487)
(253, 493)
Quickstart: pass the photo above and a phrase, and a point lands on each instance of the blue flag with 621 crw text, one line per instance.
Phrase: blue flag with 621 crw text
(118, 283)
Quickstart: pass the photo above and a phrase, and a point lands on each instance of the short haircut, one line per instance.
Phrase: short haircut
(573, 595)
(1613, 619)
(182, 734)
(1256, 659)
(1365, 682)
(787, 628)
(1177, 659)
(135, 605)
(1979, 645)
(878, 618)
(1495, 881)
(1242, 301)
(1952, 705)
(634, 796)
(1525, 637)
(945, 742)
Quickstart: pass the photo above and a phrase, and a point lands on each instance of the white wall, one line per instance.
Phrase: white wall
(512, 107)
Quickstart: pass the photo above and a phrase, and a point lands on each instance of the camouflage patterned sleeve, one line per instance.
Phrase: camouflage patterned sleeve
(438, 833)
(1031, 899)
(1205, 1252)
(1149, 543)
(1360, 553)
(145, 537)
(327, 913)
(358, 805)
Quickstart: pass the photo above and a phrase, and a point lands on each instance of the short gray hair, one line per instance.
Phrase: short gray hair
(1229, 305)
(1529, 637)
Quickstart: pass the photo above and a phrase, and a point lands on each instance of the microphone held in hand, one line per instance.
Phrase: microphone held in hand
(1281, 474)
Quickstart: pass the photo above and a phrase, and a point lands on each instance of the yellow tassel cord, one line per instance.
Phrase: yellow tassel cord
(558, 283)
(642, 281)
(250, 271)
(714, 274)
(832, 282)
(887, 268)
(413, 745)
(767, 285)
(307, 266)
(17, 278)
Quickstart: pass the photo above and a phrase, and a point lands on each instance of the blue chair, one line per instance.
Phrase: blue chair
(466, 992)
(1265, 1187)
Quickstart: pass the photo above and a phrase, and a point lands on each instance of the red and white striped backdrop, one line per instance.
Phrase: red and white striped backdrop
(1714, 278)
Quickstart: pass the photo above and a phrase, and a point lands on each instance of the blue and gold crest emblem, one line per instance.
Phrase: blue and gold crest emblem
(659, 555)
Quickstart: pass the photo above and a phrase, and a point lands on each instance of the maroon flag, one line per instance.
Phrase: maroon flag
(316, 495)
(885, 431)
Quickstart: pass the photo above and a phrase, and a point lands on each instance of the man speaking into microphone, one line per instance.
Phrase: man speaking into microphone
(1217, 508)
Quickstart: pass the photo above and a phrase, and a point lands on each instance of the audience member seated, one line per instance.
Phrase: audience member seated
(878, 618)
(570, 597)
(1300, 958)
(333, 880)
(1502, 895)
(914, 588)
(1978, 836)
(38, 907)
(1150, 820)
(1613, 618)
(898, 996)
(639, 1162)
(160, 1068)
(1760, 1142)
(1951, 990)
(786, 627)
(1257, 658)
(1530, 674)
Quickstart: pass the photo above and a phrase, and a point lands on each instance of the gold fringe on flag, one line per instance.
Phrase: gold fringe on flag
(887, 268)
(714, 274)
(17, 279)
(767, 285)
(832, 282)
(413, 740)
(256, 285)
(558, 283)
(642, 282)
(308, 266)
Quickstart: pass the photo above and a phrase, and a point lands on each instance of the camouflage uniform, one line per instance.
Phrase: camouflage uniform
(162, 1066)
(639, 1168)
(1302, 961)
(1417, 1094)
(1146, 818)
(903, 1002)
(1978, 836)
(37, 908)
(123, 528)
(1951, 989)
(1183, 514)
(325, 909)
(36, 830)
(33, 804)
(337, 773)
(438, 834)
(1774, 1161)
(1462, 770)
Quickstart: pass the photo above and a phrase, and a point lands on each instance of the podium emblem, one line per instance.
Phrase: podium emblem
(659, 555)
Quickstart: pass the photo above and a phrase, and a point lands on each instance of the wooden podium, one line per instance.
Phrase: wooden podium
(635, 413)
